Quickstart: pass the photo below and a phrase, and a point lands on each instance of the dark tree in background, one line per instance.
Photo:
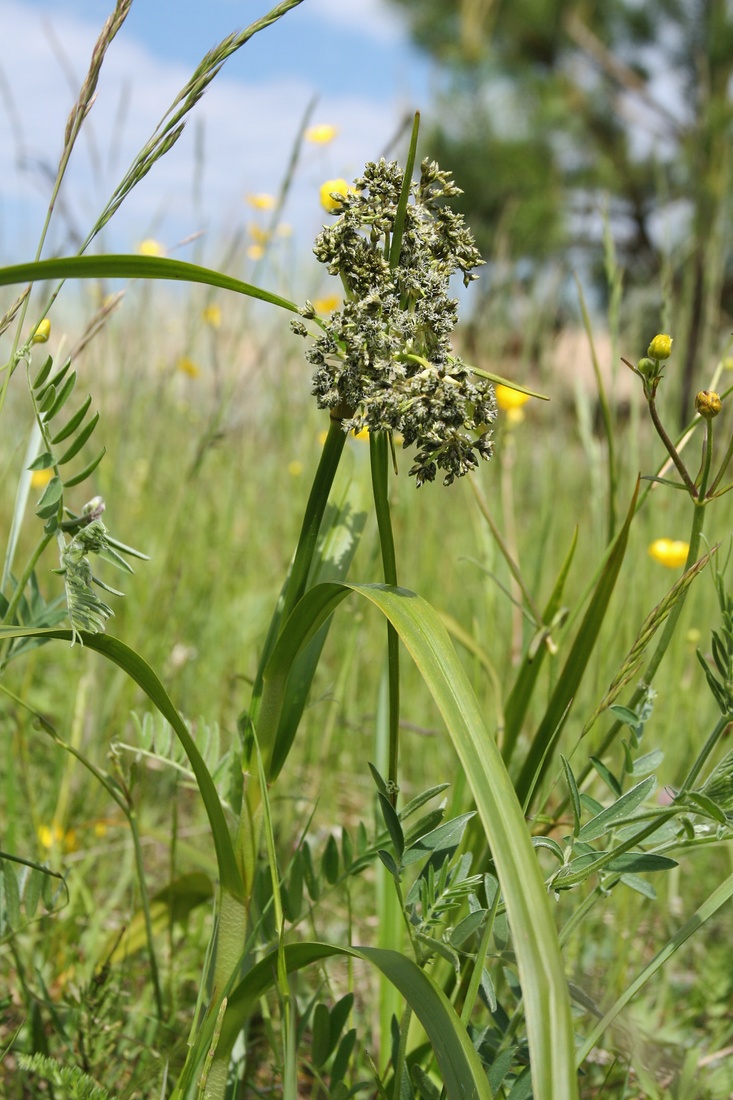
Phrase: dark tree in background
(556, 110)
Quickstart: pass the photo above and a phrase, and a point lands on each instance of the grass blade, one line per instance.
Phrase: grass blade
(544, 988)
(541, 750)
(134, 267)
(463, 1075)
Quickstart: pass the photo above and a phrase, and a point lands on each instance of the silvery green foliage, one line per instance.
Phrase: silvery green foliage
(384, 359)
(90, 536)
(86, 610)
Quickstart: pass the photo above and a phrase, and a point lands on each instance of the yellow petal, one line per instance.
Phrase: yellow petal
(187, 366)
(149, 247)
(331, 188)
(261, 201)
(41, 478)
(671, 553)
(327, 304)
(321, 135)
(507, 398)
(212, 316)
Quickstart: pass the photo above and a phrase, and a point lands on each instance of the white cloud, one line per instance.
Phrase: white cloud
(374, 18)
(248, 130)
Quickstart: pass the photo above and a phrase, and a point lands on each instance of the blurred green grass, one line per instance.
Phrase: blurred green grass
(207, 470)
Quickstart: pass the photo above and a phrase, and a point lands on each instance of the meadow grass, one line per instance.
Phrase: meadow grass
(218, 518)
(162, 964)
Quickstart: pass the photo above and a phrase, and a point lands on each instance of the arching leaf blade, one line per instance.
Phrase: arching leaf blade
(134, 267)
(544, 986)
(463, 1075)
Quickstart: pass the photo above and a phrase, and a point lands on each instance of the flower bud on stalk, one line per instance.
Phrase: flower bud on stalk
(42, 333)
(660, 347)
(708, 404)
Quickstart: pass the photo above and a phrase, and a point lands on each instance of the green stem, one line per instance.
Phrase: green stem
(315, 508)
(478, 963)
(722, 724)
(20, 587)
(723, 467)
(379, 456)
(297, 579)
(672, 450)
(145, 901)
(399, 1068)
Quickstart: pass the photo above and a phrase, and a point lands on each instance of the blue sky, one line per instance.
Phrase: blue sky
(354, 55)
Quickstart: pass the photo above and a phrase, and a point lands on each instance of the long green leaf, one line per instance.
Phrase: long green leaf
(545, 740)
(544, 987)
(140, 671)
(134, 267)
(460, 1067)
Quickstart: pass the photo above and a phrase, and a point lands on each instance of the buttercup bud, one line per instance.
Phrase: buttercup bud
(42, 333)
(660, 347)
(708, 404)
(646, 366)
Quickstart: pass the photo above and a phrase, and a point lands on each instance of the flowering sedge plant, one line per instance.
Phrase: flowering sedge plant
(384, 361)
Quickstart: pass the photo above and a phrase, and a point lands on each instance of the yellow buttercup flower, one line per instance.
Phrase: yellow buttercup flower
(660, 347)
(671, 553)
(42, 333)
(212, 316)
(258, 234)
(327, 304)
(53, 836)
(363, 434)
(331, 188)
(507, 398)
(321, 135)
(295, 468)
(261, 201)
(187, 366)
(255, 252)
(41, 478)
(150, 247)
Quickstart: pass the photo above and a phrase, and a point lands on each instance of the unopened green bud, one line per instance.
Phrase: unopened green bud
(660, 347)
(708, 404)
(646, 366)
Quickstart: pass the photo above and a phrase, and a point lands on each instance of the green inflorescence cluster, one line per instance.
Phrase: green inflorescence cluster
(384, 360)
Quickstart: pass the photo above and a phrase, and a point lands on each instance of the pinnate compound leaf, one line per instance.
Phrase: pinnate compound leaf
(622, 807)
(73, 423)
